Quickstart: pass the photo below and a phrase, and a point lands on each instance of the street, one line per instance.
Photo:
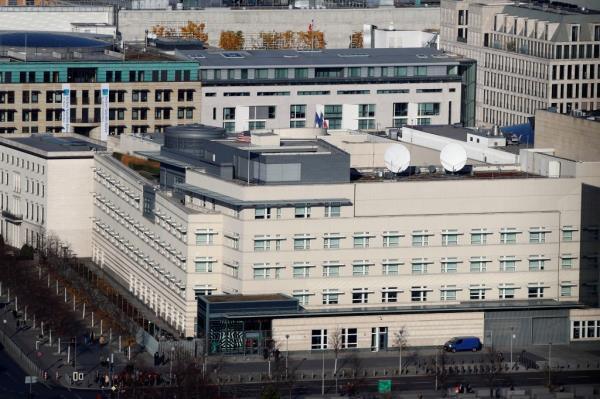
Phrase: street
(12, 384)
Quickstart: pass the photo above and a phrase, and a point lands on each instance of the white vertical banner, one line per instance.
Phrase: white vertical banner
(66, 108)
(242, 116)
(104, 119)
(350, 116)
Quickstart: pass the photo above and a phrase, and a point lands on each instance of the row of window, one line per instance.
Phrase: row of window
(394, 267)
(22, 163)
(419, 238)
(89, 75)
(362, 296)
(321, 92)
(321, 72)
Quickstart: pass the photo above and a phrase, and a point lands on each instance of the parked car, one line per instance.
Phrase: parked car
(458, 344)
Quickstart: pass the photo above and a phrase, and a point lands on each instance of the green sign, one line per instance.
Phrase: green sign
(384, 386)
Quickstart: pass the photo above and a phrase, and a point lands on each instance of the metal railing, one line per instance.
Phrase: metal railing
(19, 356)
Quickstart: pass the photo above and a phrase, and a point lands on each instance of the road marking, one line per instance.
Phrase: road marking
(578, 376)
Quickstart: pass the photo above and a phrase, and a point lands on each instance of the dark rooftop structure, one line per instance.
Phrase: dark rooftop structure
(54, 146)
(257, 159)
(325, 57)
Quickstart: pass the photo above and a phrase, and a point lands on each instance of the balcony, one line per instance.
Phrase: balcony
(12, 217)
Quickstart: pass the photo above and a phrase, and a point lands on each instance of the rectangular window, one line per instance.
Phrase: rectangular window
(360, 295)
(418, 294)
(566, 290)
(302, 296)
(449, 238)
(360, 269)
(535, 292)
(349, 338)
(448, 293)
(261, 73)
(204, 265)
(204, 238)
(333, 116)
(566, 262)
(420, 71)
(330, 297)
(301, 271)
(281, 73)
(478, 265)
(508, 264)
(302, 211)
(429, 109)
(331, 270)
(391, 239)
(419, 266)
(567, 234)
(389, 295)
(536, 265)
(332, 210)
(301, 244)
(298, 111)
(479, 237)
(400, 71)
(331, 242)
(318, 339)
(449, 265)
(506, 293)
(508, 237)
(262, 245)
(476, 294)
(262, 213)
(390, 267)
(361, 241)
(420, 239)
(301, 73)
(537, 237)
(354, 72)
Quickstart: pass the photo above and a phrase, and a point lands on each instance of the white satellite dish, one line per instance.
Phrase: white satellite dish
(453, 157)
(396, 158)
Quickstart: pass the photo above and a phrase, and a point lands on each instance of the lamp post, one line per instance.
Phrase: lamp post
(323, 372)
(512, 336)
(171, 366)
(549, 363)
(287, 351)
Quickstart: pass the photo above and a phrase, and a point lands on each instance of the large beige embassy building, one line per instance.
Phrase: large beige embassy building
(316, 238)
(529, 56)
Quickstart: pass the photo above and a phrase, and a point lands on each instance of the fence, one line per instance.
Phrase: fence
(19, 356)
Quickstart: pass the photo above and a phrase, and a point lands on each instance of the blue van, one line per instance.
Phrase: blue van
(458, 344)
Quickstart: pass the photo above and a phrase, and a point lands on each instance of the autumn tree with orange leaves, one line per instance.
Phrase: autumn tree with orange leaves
(356, 40)
(194, 30)
(231, 40)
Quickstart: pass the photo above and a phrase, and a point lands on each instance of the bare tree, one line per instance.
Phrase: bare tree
(400, 342)
(336, 341)
(492, 368)
(356, 377)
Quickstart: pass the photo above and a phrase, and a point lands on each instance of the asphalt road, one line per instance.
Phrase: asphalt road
(12, 384)
(427, 383)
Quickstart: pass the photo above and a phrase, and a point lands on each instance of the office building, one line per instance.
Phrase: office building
(368, 89)
(530, 56)
(51, 82)
(354, 248)
(46, 190)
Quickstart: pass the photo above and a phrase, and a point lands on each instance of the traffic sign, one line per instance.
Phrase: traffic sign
(384, 386)
(31, 379)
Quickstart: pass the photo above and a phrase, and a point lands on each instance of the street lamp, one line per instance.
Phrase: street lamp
(549, 362)
(512, 336)
(171, 365)
(287, 351)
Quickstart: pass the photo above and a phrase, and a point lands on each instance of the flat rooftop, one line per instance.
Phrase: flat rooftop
(245, 298)
(325, 57)
(54, 146)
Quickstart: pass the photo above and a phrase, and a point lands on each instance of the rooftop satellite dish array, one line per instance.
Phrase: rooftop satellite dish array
(453, 158)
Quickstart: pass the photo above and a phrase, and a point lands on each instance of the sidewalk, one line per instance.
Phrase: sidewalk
(43, 350)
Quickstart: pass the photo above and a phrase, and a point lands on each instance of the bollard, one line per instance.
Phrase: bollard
(83, 312)
(50, 338)
(92, 319)
(16, 303)
(56, 287)
(65, 294)
(58, 347)
(34, 322)
(74, 303)
(42, 323)
(119, 343)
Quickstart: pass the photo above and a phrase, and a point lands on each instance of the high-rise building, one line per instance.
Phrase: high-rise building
(529, 56)
(54, 82)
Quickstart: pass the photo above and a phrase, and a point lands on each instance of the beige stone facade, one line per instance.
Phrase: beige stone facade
(528, 58)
